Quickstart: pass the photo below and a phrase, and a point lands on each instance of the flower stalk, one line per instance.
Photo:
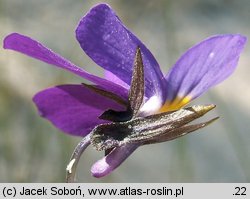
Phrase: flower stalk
(76, 155)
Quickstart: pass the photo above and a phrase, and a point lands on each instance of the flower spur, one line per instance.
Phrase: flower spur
(75, 109)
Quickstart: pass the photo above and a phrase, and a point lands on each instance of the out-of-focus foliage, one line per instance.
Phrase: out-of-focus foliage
(32, 150)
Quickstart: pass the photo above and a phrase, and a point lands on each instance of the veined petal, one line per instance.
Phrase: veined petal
(73, 108)
(201, 67)
(36, 50)
(110, 162)
(111, 45)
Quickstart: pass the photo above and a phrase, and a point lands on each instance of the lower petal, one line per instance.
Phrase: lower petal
(110, 162)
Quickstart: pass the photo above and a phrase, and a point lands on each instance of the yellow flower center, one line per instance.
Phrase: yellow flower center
(175, 104)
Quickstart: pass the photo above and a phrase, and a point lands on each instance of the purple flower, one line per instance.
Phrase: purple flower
(75, 109)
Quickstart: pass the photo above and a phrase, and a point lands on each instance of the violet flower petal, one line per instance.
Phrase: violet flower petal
(73, 108)
(36, 50)
(204, 65)
(111, 45)
(113, 78)
(111, 161)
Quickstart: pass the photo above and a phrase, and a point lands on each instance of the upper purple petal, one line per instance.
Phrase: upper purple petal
(113, 78)
(36, 50)
(204, 65)
(73, 108)
(111, 45)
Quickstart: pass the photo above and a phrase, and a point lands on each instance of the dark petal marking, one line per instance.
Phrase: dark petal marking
(116, 116)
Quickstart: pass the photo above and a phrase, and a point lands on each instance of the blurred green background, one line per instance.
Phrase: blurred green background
(32, 150)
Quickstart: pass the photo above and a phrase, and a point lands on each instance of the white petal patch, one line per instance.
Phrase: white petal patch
(152, 106)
